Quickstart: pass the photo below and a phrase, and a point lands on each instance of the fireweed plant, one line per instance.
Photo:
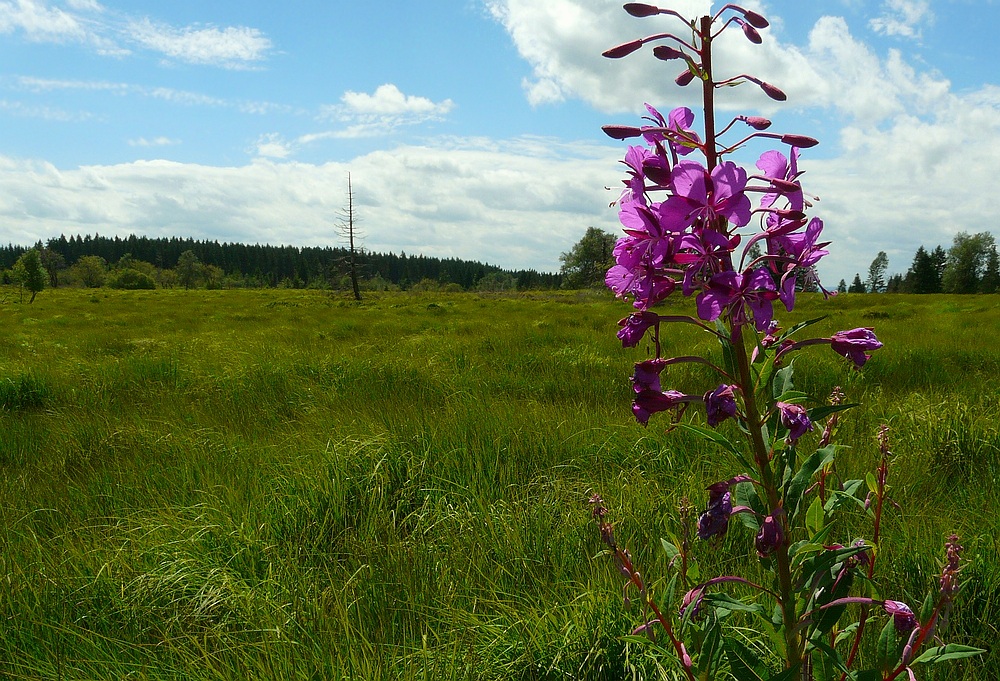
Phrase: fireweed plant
(740, 242)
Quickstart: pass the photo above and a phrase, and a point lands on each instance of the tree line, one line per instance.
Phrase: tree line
(971, 265)
(143, 262)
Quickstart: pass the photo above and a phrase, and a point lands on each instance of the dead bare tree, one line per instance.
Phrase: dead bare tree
(349, 233)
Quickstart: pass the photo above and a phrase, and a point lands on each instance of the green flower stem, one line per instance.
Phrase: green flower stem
(793, 653)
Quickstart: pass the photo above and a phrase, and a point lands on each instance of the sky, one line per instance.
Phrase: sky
(471, 128)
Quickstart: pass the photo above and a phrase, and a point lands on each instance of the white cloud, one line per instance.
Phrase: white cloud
(272, 146)
(230, 47)
(516, 203)
(370, 115)
(155, 142)
(46, 113)
(388, 100)
(39, 22)
(916, 160)
(111, 33)
(902, 18)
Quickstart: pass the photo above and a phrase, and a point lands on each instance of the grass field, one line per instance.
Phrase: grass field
(287, 485)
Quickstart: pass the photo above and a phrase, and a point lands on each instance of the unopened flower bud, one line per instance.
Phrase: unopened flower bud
(621, 132)
(685, 77)
(754, 19)
(757, 122)
(666, 53)
(800, 141)
(751, 33)
(638, 9)
(773, 92)
(622, 50)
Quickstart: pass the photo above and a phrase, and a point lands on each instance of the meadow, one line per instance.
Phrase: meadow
(288, 485)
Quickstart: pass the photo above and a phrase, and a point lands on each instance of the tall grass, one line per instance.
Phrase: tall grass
(280, 484)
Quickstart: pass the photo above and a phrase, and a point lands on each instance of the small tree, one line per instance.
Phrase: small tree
(349, 233)
(923, 275)
(91, 270)
(589, 260)
(966, 264)
(990, 283)
(29, 274)
(188, 269)
(842, 287)
(876, 273)
(53, 262)
(857, 286)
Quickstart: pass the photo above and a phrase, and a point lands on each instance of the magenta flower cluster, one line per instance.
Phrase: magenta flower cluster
(691, 238)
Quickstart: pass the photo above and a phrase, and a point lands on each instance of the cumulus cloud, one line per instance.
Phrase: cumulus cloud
(913, 158)
(272, 145)
(902, 18)
(563, 40)
(368, 115)
(517, 203)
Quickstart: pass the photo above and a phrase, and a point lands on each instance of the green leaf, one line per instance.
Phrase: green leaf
(743, 663)
(789, 674)
(927, 609)
(800, 326)
(815, 516)
(822, 668)
(952, 651)
(868, 675)
(831, 655)
(872, 482)
(719, 439)
(745, 494)
(725, 604)
(792, 397)
(671, 550)
(817, 413)
(841, 497)
(782, 381)
(887, 647)
(804, 477)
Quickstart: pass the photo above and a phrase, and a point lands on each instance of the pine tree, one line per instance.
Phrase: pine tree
(876, 273)
(857, 286)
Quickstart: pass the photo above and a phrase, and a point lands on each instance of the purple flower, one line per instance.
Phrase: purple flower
(646, 375)
(634, 327)
(646, 241)
(854, 344)
(729, 288)
(776, 166)
(680, 121)
(795, 419)
(720, 404)
(801, 248)
(902, 616)
(770, 537)
(700, 196)
(641, 282)
(702, 255)
(648, 402)
(715, 520)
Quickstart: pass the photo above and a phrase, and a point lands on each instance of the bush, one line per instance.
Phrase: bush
(131, 280)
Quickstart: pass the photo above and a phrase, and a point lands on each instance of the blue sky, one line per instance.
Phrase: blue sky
(470, 127)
